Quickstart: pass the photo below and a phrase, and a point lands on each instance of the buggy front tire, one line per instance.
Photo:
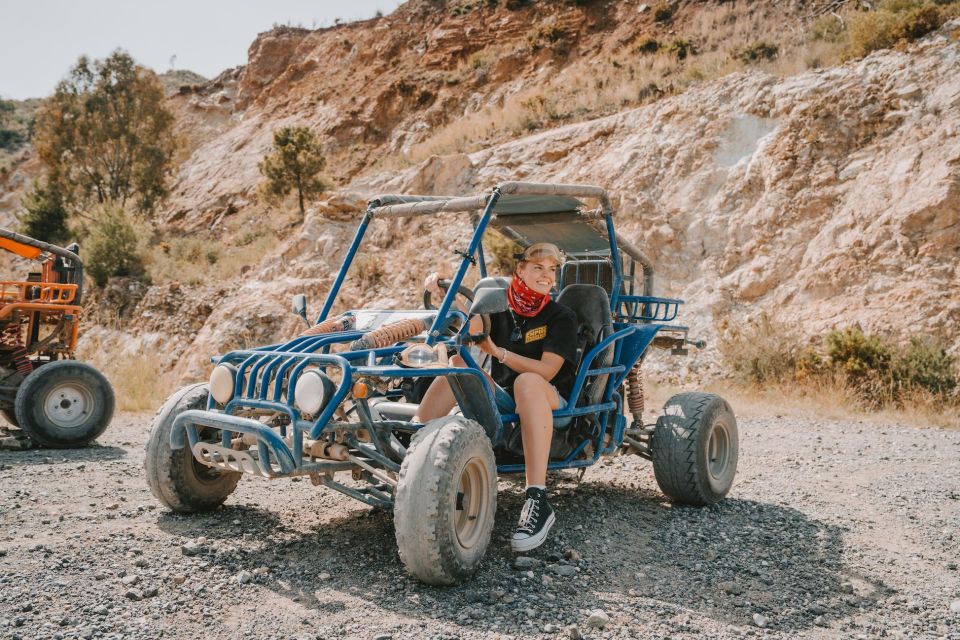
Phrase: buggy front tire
(64, 404)
(446, 500)
(175, 478)
(695, 448)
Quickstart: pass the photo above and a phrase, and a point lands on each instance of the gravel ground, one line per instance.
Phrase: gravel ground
(831, 530)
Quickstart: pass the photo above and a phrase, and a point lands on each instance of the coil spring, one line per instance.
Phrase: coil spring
(635, 393)
(10, 339)
(333, 325)
(391, 333)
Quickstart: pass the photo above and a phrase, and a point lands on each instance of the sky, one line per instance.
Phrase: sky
(41, 39)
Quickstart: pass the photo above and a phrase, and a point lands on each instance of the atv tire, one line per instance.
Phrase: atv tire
(175, 478)
(446, 500)
(695, 448)
(64, 404)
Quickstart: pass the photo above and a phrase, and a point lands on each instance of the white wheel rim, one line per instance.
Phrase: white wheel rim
(718, 451)
(68, 405)
(471, 513)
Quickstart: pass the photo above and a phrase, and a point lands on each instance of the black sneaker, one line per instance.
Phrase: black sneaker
(536, 518)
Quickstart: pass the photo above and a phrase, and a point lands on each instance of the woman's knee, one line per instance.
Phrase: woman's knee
(529, 385)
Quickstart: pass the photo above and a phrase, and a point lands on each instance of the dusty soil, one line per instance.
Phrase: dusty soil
(832, 529)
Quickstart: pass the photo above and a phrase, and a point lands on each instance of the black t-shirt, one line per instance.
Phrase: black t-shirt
(553, 330)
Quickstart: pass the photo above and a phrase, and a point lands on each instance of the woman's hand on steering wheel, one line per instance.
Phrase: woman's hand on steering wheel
(435, 283)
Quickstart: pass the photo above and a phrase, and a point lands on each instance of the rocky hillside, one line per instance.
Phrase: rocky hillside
(828, 197)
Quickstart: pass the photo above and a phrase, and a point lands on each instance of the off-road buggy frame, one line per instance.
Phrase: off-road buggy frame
(55, 400)
(336, 399)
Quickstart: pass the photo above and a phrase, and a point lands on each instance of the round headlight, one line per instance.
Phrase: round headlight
(222, 381)
(312, 391)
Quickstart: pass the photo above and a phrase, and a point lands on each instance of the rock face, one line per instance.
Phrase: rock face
(828, 198)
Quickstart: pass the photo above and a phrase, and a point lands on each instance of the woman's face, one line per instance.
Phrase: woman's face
(539, 275)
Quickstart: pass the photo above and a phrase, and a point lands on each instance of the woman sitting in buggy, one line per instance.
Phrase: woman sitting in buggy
(533, 349)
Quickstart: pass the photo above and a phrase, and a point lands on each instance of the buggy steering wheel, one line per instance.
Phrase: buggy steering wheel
(466, 293)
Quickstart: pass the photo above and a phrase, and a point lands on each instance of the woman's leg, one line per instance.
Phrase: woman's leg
(439, 399)
(536, 400)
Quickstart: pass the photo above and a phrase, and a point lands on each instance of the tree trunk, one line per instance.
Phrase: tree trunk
(303, 212)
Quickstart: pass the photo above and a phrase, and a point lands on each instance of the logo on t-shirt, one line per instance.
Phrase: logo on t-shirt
(535, 334)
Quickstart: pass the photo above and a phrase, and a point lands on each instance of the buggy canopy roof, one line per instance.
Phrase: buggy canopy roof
(528, 213)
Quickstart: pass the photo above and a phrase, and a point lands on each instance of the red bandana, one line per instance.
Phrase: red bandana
(523, 300)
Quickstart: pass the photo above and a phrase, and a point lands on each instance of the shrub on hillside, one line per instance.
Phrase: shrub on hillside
(756, 52)
(647, 45)
(44, 214)
(879, 371)
(760, 350)
(897, 21)
(663, 12)
(111, 247)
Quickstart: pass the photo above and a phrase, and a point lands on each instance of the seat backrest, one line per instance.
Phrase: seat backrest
(591, 304)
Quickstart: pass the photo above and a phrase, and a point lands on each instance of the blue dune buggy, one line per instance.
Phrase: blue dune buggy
(337, 403)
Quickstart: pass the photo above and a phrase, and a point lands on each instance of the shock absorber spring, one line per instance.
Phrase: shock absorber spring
(11, 341)
(331, 325)
(635, 393)
(391, 333)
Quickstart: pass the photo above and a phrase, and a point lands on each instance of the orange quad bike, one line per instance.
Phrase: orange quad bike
(56, 401)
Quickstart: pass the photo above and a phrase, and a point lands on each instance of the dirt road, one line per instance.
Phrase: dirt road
(831, 530)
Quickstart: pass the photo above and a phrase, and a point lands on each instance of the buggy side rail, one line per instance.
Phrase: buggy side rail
(646, 309)
(44, 292)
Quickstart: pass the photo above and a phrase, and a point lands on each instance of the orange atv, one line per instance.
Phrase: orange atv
(55, 400)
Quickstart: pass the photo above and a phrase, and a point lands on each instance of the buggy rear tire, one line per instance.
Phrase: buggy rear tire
(446, 500)
(64, 404)
(175, 478)
(695, 448)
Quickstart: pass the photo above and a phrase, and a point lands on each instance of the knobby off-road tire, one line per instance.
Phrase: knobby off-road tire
(446, 500)
(175, 478)
(64, 404)
(695, 448)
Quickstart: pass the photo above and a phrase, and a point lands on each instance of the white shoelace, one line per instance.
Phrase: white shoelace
(528, 516)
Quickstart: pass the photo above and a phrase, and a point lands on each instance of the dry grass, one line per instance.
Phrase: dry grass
(708, 43)
(243, 240)
(138, 384)
(813, 399)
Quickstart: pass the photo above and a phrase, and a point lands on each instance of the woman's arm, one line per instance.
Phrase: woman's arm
(547, 366)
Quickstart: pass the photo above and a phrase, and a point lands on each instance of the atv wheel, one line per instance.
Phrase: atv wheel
(446, 500)
(695, 448)
(175, 478)
(64, 404)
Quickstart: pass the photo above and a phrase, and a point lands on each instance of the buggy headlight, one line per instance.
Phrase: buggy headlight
(422, 355)
(312, 392)
(222, 382)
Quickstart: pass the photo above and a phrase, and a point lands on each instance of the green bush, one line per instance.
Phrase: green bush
(897, 21)
(879, 371)
(647, 45)
(111, 247)
(756, 52)
(44, 214)
(925, 364)
(760, 350)
(681, 48)
(858, 354)
(663, 12)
